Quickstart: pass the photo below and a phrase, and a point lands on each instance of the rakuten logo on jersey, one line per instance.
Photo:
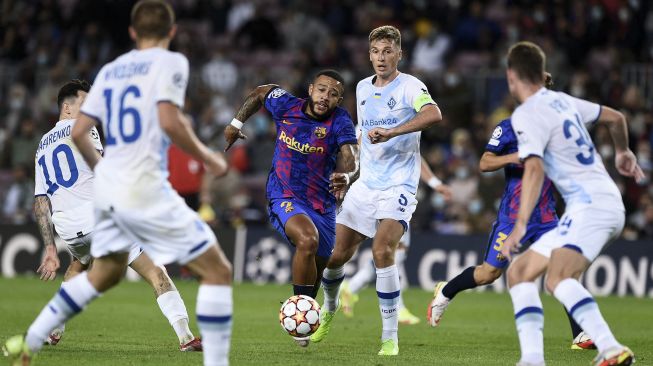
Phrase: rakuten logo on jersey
(304, 148)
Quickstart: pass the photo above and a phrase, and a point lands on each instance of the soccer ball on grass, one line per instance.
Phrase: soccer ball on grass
(300, 316)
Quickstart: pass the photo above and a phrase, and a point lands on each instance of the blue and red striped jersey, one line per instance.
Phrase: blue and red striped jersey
(306, 150)
(504, 142)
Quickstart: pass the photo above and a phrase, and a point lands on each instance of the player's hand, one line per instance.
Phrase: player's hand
(512, 244)
(231, 135)
(445, 191)
(626, 164)
(338, 182)
(215, 163)
(50, 264)
(340, 195)
(379, 134)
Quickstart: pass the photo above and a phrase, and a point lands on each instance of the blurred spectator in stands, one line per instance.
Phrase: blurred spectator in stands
(220, 74)
(23, 146)
(259, 32)
(19, 200)
(186, 174)
(16, 107)
(430, 49)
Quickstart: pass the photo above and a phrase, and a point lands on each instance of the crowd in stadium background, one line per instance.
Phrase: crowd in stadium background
(598, 50)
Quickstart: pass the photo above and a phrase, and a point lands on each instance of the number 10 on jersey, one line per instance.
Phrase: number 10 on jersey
(125, 113)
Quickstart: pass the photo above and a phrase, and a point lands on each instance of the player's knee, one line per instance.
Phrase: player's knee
(515, 274)
(382, 253)
(487, 275)
(307, 242)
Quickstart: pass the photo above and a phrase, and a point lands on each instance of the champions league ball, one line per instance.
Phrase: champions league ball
(300, 316)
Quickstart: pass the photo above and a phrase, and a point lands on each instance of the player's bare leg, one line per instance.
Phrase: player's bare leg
(565, 266)
(76, 267)
(214, 304)
(347, 242)
(388, 286)
(304, 235)
(70, 300)
(170, 302)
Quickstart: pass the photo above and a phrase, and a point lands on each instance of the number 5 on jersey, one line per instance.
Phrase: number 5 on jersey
(125, 113)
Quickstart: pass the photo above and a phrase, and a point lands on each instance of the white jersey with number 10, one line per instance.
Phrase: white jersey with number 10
(64, 177)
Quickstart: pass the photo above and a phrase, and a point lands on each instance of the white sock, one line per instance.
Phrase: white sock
(388, 291)
(173, 308)
(583, 308)
(331, 280)
(71, 298)
(214, 309)
(529, 318)
(365, 275)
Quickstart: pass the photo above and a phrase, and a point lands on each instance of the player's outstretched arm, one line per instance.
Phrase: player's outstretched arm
(82, 138)
(491, 162)
(50, 263)
(179, 129)
(428, 177)
(625, 160)
(252, 104)
(427, 116)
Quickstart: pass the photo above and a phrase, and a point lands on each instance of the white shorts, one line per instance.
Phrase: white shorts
(168, 231)
(80, 248)
(584, 228)
(363, 208)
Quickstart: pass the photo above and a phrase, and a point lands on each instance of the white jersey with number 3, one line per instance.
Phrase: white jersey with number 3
(64, 177)
(552, 125)
(124, 97)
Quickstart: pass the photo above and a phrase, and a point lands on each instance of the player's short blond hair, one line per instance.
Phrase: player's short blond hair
(152, 19)
(386, 32)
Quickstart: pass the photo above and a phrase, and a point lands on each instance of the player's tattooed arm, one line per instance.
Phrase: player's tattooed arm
(491, 161)
(252, 104)
(50, 263)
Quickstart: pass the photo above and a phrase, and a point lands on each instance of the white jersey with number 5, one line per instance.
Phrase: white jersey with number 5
(395, 162)
(124, 97)
(64, 177)
(552, 125)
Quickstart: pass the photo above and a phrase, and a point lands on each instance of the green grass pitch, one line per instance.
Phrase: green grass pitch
(125, 327)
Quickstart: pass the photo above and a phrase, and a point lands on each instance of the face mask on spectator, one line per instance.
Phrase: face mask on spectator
(462, 172)
(475, 206)
(16, 103)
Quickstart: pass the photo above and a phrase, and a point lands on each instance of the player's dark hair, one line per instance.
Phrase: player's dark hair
(152, 19)
(332, 74)
(70, 90)
(386, 32)
(528, 60)
(548, 80)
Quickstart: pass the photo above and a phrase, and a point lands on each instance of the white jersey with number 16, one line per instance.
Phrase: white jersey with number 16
(124, 98)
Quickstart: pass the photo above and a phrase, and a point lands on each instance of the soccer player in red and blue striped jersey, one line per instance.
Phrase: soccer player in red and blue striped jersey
(316, 147)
